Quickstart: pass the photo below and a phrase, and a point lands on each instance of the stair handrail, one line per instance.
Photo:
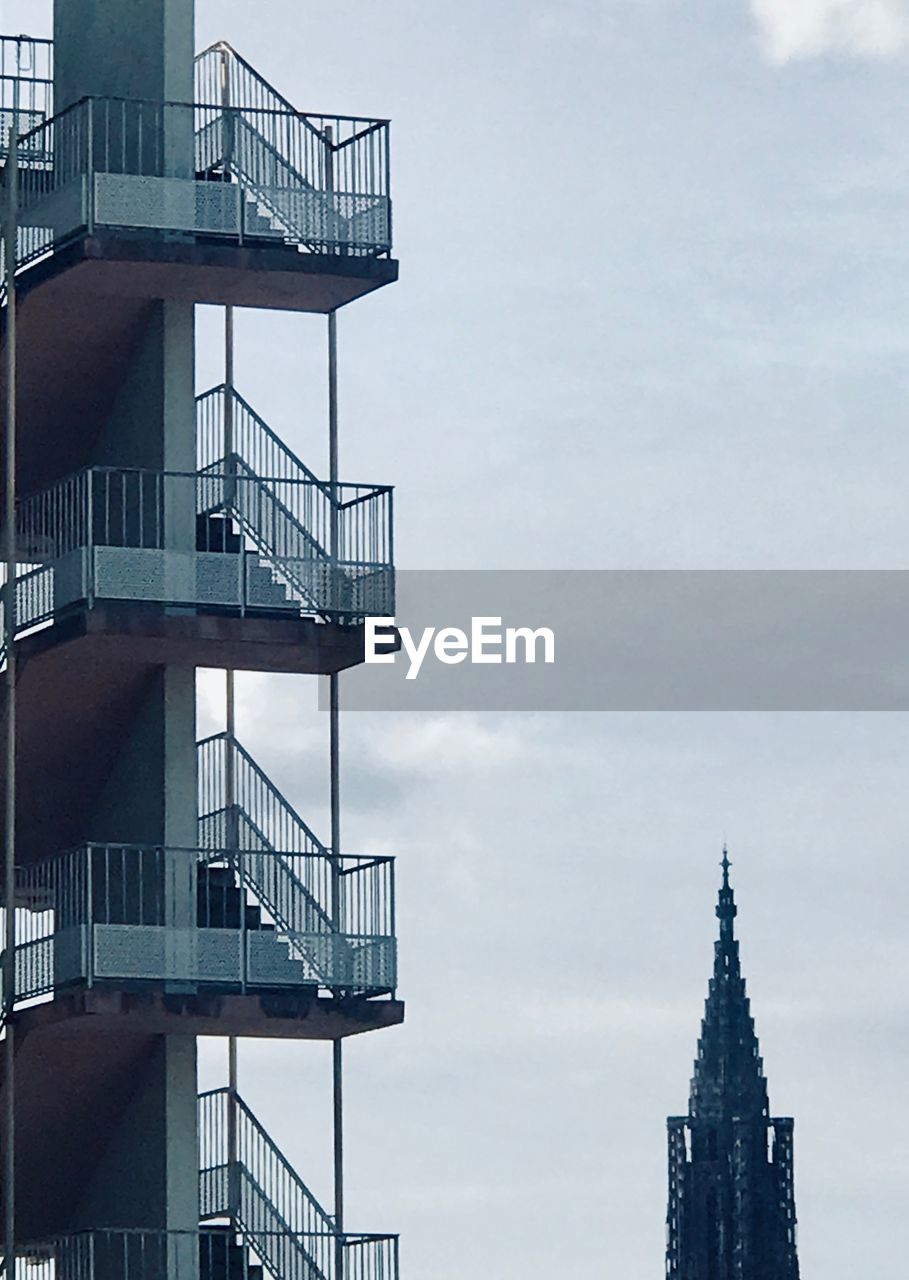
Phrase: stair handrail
(223, 390)
(224, 46)
(269, 1168)
(312, 844)
(284, 104)
(315, 847)
(262, 462)
(323, 917)
(264, 896)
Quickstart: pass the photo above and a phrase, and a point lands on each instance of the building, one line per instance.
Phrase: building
(731, 1199)
(159, 888)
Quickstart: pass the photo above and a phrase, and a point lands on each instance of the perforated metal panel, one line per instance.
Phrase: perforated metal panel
(368, 219)
(171, 577)
(269, 963)
(178, 204)
(219, 956)
(218, 578)
(162, 953)
(129, 951)
(370, 591)
(374, 964)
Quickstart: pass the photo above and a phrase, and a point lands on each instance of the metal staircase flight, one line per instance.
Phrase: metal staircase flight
(258, 821)
(326, 546)
(292, 168)
(244, 1176)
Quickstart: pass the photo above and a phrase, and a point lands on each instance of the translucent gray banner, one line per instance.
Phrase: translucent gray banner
(645, 641)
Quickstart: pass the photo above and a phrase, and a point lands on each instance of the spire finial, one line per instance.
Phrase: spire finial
(726, 909)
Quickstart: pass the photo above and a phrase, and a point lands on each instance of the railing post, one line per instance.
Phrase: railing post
(233, 1163)
(391, 553)
(90, 169)
(89, 918)
(89, 565)
(244, 936)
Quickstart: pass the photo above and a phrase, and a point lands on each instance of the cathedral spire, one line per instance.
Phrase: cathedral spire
(731, 1212)
(728, 1073)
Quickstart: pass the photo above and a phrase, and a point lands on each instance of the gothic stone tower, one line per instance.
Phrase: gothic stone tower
(731, 1209)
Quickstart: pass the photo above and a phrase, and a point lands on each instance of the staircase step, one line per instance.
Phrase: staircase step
(216, 533)
(218, 907)
(220, 876)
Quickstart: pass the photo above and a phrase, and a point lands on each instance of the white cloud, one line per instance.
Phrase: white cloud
(807, 28)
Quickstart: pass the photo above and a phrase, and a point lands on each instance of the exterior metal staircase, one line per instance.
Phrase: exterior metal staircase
(327, 544)
(264, 587)
(244, 1176)
(295, 171)
(222, 904)
(315, 903)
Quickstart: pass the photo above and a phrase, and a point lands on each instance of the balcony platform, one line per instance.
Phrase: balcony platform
(183, 268)
(82, 679)
(282, 1015)
(82, 311)
(139, 634)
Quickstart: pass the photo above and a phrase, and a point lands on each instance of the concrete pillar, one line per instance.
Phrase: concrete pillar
(135, 49)
(108, 48)
(147, 1176)
(143, 50)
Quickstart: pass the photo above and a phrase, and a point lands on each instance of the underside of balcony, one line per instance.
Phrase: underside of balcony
(83, 311)
(280, 1015)
(78, 1059)
(81, 679)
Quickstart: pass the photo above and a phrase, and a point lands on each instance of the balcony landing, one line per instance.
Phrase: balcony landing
(186, 269)
(283, 1015)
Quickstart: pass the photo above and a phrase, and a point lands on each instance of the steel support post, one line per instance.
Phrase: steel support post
(335, 788)
(232, 831)
(9, 968)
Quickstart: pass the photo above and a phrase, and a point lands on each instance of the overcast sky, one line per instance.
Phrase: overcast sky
(652, 313)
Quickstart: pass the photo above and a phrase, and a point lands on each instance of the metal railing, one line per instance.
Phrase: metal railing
(211, 1253)
(338, 914)
(152, 914)
(347, 156)
(228, 775)
(243, 1175)
(216, 538)
(198, 168)
(26, 85)
(354, 522)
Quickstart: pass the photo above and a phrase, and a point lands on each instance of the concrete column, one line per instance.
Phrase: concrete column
(108, 48)
(147, 1176)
